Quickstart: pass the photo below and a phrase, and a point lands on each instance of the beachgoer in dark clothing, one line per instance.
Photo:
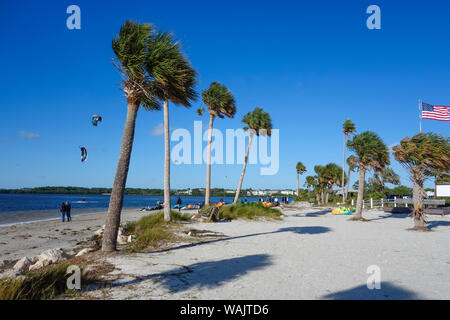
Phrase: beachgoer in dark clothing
(179, 203)
(63, 211)
(68, 207)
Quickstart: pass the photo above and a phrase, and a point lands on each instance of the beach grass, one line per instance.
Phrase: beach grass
(249, 211)
(40, 284)
(153, 230)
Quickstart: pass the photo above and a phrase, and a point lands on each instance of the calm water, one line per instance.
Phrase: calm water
(16, 208)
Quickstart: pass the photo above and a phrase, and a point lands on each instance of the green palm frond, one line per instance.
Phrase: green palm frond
(371, 151)
(259, 121)
(220, 100)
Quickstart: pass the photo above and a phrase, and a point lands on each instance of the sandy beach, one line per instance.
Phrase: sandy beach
(310, 254)
(31, 238)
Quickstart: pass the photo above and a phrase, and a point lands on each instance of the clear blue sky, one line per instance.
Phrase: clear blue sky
(310, 65)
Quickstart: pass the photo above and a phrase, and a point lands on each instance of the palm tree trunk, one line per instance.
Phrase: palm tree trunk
(418, 194)
(208, 164)
(317, 198)
(297, 184)
(348, 182)
(359, 201)
(241, 179)
(343, 172)
(327, 196)
(322, 195)
(167, 204)
(116, 200)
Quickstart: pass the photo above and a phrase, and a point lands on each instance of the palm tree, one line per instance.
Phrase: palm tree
(372, 153)
(348, 128)
(312, 182)
(422, 155)
(220, 102)
(381, 177)
(258, 123)
(131, 48)
(352, 163)
(300, 170)
(174, 81)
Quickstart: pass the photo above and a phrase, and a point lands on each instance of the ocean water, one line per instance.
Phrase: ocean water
(19, 208)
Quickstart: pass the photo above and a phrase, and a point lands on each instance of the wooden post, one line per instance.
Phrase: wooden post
(395, 202)
(353, 202)
(371, 203)
(382, 203)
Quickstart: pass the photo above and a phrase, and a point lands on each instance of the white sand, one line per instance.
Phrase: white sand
(308, 255)
(32, 238)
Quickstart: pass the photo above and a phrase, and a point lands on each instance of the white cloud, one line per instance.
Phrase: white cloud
(158, 130)
(29, 135)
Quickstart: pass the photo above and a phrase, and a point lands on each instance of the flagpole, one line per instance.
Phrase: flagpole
(420, 117)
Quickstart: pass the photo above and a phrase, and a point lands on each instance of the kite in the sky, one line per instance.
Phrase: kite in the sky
(96, 119)
(83, 154)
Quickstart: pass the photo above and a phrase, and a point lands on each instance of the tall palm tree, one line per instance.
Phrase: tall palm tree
(301, 169)
(220, 102)
(174, 81)
(131, 48)
(347, 128)
(422, 155)
(372, 153)
(258, 123)
(352, 163)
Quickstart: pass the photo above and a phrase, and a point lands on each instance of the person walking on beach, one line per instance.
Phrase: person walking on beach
(63, 211)
(68, 207)
(179, 203)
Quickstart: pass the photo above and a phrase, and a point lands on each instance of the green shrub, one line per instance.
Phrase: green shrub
(151, 230)
(39, 284)
(249, 211)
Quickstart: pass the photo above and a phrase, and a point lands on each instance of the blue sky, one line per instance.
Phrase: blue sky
(310, 65)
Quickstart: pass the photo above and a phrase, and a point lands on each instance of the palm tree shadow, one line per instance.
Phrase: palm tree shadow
(209, 274)
(435, 224)
(388, 291)
(396, 216)
(312, 214)
(297, 230)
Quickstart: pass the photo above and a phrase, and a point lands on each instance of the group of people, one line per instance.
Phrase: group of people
(275, 200)
(65, 211)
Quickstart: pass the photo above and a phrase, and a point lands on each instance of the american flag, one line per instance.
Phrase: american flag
(440, 113)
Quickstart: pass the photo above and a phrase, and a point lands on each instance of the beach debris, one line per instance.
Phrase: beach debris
(96, 119)
(203, 233)
(83, 154)
(84, 251)
(22, 265)
(131, 238)
(100, 231)
(48, 257)
(121, 234)
(3, 263)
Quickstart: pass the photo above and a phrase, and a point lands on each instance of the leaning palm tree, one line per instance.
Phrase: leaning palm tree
(348, 128)
(131, 48)
(352, 163)
(422, 155)
(257, 123)
(301, 169)
(372, 153)
(174, 81)
(220, 102)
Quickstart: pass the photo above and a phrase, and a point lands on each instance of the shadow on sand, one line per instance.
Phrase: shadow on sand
(209, 274)
(435, 224)
(312, 214)
(388, 291)
(297, 230)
